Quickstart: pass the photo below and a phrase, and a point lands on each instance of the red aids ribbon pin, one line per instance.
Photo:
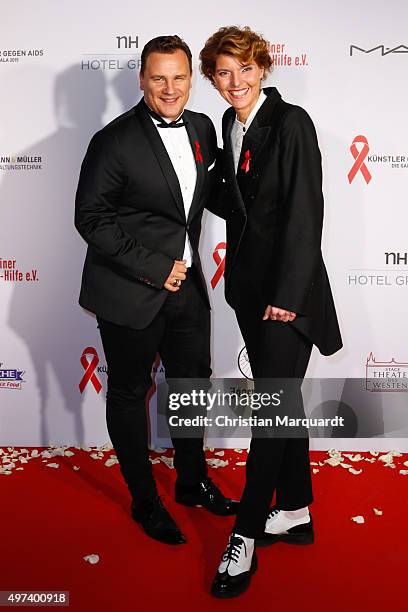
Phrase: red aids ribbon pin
(198, 156)
(359, 159)
(89, 367)
(245, 165)
(220, 261)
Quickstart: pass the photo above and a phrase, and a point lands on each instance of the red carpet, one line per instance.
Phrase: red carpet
(51, 518)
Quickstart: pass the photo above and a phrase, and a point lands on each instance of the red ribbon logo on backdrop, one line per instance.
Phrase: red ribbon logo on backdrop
(247, 160)
(89, 367)
(220, 261)
(359, 158)
(198, 156)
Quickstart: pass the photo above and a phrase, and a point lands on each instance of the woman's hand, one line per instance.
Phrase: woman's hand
(278, 314)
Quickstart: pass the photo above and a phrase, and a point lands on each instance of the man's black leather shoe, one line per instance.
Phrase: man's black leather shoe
(208, 495)
(156, 521)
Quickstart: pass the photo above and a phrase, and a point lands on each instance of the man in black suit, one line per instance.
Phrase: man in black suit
(144, 182)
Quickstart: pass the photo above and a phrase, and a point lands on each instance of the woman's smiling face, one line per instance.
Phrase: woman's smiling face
(239, 84)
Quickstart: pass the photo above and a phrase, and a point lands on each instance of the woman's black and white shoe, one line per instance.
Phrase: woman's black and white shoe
(237, 565)
(292, 527)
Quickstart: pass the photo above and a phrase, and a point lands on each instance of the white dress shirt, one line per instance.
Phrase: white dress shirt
(181, 156)
(239, 129)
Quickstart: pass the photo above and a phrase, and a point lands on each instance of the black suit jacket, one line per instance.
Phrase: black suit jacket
(130, 211)
(274, 214)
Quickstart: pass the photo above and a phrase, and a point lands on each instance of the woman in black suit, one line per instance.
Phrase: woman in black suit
(275, 280)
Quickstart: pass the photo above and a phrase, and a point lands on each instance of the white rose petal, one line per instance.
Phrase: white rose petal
(353, 471)
(390, 465)
(388, 458)
(238, 450)
(314, 463)
(333, 461)
(405, 463)
(53, 465)
(217, 463)
(75, 467)
(357, 457)
(155, 461)
(95, 456)
(316, 470)
(377, 512)
(106, 447)
(369, 460)
(374, 453)
(240, 463)
(92, 559)
(111, 461)
(23, 460)
(220, 453)
(69, 453)
(46, 455)
(403, 472)
(19, 469)
(5, 472)
(334, 453)
(167, 460)
(35, 453)
(346, 465)
(358, 519)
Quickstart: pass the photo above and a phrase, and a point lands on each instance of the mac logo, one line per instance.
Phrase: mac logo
(383, 50)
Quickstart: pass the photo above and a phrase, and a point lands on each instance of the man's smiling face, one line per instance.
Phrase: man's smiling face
(166, 82)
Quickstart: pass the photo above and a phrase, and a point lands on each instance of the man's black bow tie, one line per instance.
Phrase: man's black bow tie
(180, 122)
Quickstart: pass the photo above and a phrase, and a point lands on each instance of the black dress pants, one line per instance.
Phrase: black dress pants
(180, 333)
(275, 350)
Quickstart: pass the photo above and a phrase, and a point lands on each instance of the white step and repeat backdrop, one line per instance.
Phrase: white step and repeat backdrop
(66, 69)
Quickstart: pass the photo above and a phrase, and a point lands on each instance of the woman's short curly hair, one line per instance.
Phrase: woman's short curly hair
(242, 43)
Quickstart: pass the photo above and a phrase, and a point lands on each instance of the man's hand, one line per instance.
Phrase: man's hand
(278, 314)
(178, 274)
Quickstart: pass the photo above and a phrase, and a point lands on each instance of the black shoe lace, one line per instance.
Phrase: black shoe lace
(233, 549)
(273, 512)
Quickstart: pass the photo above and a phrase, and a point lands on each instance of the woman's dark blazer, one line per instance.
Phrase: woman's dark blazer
(273, 206)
